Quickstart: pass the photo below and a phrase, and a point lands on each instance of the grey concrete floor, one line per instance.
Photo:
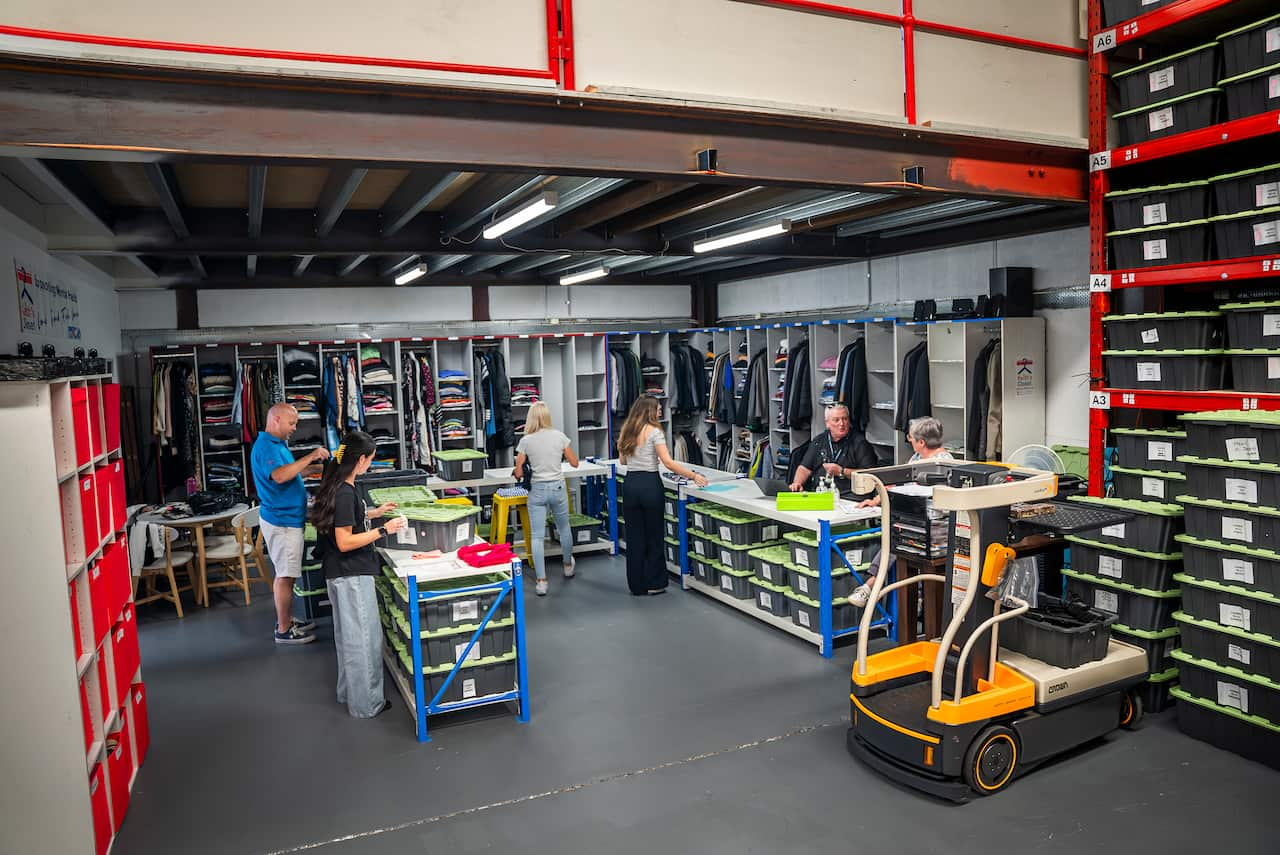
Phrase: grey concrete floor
(660, 724)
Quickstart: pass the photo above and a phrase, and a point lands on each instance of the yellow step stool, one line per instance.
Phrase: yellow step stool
(502, 507)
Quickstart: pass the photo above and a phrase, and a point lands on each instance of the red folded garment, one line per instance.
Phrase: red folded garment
(486, 554)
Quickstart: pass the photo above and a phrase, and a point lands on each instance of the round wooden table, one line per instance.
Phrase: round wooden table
(196, 523)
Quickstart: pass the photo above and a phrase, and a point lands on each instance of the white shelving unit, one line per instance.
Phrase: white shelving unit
(906, 336)
(882, 385)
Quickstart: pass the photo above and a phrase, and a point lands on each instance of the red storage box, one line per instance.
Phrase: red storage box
(115, 559)
(141, 725)
(87, 490)
(75, 620)
(104, 687)
(124, 651)
(80, 424)
(99, 601)
(94, 398)
(101, 810)
(85, 715)
(119, 503)
(111, 414)
(119, 771)
(102, 496)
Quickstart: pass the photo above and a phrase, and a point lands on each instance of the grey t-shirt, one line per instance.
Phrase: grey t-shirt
(645, 457)
(545, 450)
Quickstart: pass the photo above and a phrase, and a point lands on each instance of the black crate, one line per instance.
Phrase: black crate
(1229, 729)
(1165, 331)
(1032, 634)
(739, 529)
(1232, 686)
(312, 578)
(1115, 11)
(670, 504)
(1240, 482)
(1193, 70)
(1234, 435)
(1248, 233)
(1252, 569)
(1166, 370)
(1156, 692)
(770, 564)
(1253, 325)
(1156, 246)
(704, 544)
(1139, 608)
(1230, 605)
(455, 610)
(1158, 645)
(460, 464)
(735, 556)
(671, 528)
(806, 612)
(583, 530)
(1166, 118)
(1255, 370)
(1155, 206)
(1232, 523)
(855, 547)
(699, 519)
(735, 583)
(315, 603)
(1145, 448)
(771, 598)
(1249, 190)
(804, 581)
(706, 571)
(1151, 570)
(1253, 92)
(445, 647)
(1225, 645)
(1252, 46)
(443, 527)
(1147, 485)
(475, 679)
(395, 478)
(671, 549)
(1152, 529)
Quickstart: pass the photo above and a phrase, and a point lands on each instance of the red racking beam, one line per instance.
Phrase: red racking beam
(1144, 26)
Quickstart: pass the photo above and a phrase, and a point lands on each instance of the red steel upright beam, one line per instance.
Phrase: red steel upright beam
(566, 44)
(1099, 303)
(909, 60)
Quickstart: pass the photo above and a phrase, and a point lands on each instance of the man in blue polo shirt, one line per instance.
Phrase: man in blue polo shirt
(278, 478)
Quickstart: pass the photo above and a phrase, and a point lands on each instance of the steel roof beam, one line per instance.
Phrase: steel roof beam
(165, 184)
(485, 198)
(339, 187)
(620, 203)
(680, 206)
(418, 190)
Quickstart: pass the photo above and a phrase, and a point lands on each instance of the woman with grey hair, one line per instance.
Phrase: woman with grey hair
(925, 436)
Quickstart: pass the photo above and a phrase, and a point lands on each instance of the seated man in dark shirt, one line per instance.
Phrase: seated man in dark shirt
(836, 452)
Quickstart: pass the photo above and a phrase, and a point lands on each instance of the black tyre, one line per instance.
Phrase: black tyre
(1130, 709)
(992, 760)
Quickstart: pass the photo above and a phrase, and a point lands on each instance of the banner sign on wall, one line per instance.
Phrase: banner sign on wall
(45, 308)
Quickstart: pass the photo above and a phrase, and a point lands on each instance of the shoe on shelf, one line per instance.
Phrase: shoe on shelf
(570, 569)
(292, 636)
(860, 596)
(302, 625)
(540, 588)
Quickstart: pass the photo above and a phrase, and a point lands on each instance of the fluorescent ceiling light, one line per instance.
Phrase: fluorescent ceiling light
(779, 228)
(584, 276)
(415, 272)
(536, 208)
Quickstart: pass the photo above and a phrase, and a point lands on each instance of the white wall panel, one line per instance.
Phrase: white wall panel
(1053, 21)
(517, 302)
(1067, 389)
(1061, 259)
(148, 310)
(285, 306)
(959, 271)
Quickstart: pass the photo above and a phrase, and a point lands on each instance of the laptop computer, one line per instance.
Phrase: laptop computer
(772, 486)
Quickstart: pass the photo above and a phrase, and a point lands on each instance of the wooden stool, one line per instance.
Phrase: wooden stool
(502, 507)
(909, 598)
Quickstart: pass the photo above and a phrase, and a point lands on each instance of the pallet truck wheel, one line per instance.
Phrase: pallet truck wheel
(1130, 709)
(991, 760)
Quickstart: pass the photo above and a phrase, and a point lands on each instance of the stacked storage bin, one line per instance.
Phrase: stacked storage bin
(722, 539)
(802, 577)
(310, 588)
(1130, 570)
(1171, 351)
(671, 529)
(1229, 657)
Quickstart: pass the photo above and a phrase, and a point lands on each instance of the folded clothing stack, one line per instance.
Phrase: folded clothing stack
(303, 402)
(453, 428)
(382, 464)
(382, 436)
(215, 379)
(828, 391)
(216, 411)
(588, 423)
(301, 368)
(649, 365)
(305, 445)
(524, 393)
(373, 368)
(654, 388)
(224, 475)
(780, 357)
(452, 374)
(828, 364)
(221, 443)
(453, 395)
(377, 402)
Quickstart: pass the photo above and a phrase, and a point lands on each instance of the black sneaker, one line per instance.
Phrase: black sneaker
(292, 636)
(302, 625)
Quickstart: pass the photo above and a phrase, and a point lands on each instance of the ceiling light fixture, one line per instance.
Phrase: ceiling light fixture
(779, 228)
(415, 272)
(537, 207)
(584, 276)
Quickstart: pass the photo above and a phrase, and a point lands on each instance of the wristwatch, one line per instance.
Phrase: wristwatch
(382, 530)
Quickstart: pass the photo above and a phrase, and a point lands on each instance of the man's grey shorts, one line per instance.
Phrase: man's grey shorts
(284, 545)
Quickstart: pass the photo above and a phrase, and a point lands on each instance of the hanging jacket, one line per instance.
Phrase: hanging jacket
(975, 427)
(995, 415)
(851, 384)
(753, 407)
(797, 391)
(913, 388)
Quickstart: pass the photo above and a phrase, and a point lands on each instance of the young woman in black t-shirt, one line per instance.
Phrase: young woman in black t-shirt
(350, 564)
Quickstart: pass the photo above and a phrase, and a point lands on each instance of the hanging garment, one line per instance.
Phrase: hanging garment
(979, 396)
(493, 400)
(913, 389)
(797, 408)
(851, 386)
(995, 414)
(354, 407)
(753, 406)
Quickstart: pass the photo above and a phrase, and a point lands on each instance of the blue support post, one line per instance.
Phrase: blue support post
(522, 664)
(415, 634)
(682, 513)
(824, 588)
(613, 507)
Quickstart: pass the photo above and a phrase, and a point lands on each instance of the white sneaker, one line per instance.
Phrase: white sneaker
(540, 588)
(570, 569)
(860, 596)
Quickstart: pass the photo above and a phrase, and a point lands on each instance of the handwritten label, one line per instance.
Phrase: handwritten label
(766, 572)
(853, 556)
(802, 582)
(1157, 450)
(407, 536)
(1109, 565)
(1237, 616)
(1153, 487)
(1266, 233)
(1148, 372)
(1242, 448)
(584, 536)
(1266, 195)
(1155, 250)
(770, 532)
(1231, 695)
(1160, 79)
(1273, 39)
(1235, 528)
(1151, 336)
(466, 610)
(1116, 531)
(1237, 570)
(699, 547)
(1160, 120)
(726, 583)
(801, 557)
(1108, 601)
(726, 558)
(1239, 653)
(1241, 490)
(724, 532)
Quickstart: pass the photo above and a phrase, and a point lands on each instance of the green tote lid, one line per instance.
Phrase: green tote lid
(1217, 546)
(411, 495)
(1121, 586)
(737, 574)
(768, 586)
(1124, 550)
(1163, 227)
(459, 454)
(670, 542)
(1155, 63)
(1138, 506)
(1161, 316)
(1234, 590)
(836, 602)
(1268, 468)
(836, 570)
(772, 554)
(1257, 72)
(1163, 188)
(1225, 670)
(1260, 212)
(577, 520)
(805, 537)
(1171, 434)
(435, 513)
(1246, 418)
(1244, 173)
(1247, 27)
(1156, 106)
(1218, 505)
(1253, 351)
(1145, 634)
(1164, 676)
(1150, 473)
(1185, 697)
(1244, 307)
(1246, 635)
(1163, 353)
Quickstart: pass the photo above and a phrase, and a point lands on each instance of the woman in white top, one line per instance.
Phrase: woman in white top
(641, 446)
(544, 447)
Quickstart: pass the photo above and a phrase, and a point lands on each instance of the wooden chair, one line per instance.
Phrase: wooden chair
(232, 557)
(174, 560)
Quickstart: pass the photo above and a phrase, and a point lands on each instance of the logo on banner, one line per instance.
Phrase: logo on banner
(1025, 379)
(45, 308)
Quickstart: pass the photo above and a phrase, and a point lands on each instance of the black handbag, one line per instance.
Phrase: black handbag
(212, 501)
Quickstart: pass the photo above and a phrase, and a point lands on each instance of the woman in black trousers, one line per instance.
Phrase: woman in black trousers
(641, 446)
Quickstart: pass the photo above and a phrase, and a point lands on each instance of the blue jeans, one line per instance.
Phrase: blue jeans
(544, 497)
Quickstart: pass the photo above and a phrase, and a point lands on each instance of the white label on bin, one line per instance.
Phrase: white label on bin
(804, 618)
(699, 546)
(460, 534)
(1148, 372)
(1231, 695)
(770, 532)
(1114, 531)
(1157, 450)
(724, 533)
(458, 648)
(468, 688)
(1273, 367)
(1153, 487)
(1161, 79)
(766, 600)
(1265, 234)
(466, 465)
(726, 557)
(407, 536)
(802, 582)
(1155, 250)
(1238, 653)
(466, 610)
(584, 536)
(1109, 565)
(1151, 336)
(1159, 120)
(1235, 528)
(853, 556)
(1229, 615)
(1242, 448)
(1273, 86)
(1107, 601)
(801, 557)
(1241, 490)
(1273, 39)
(1155, 215)
(1266, 195)
(1237, 570)
(766, 570)
(726, 583)
(1270, 325)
